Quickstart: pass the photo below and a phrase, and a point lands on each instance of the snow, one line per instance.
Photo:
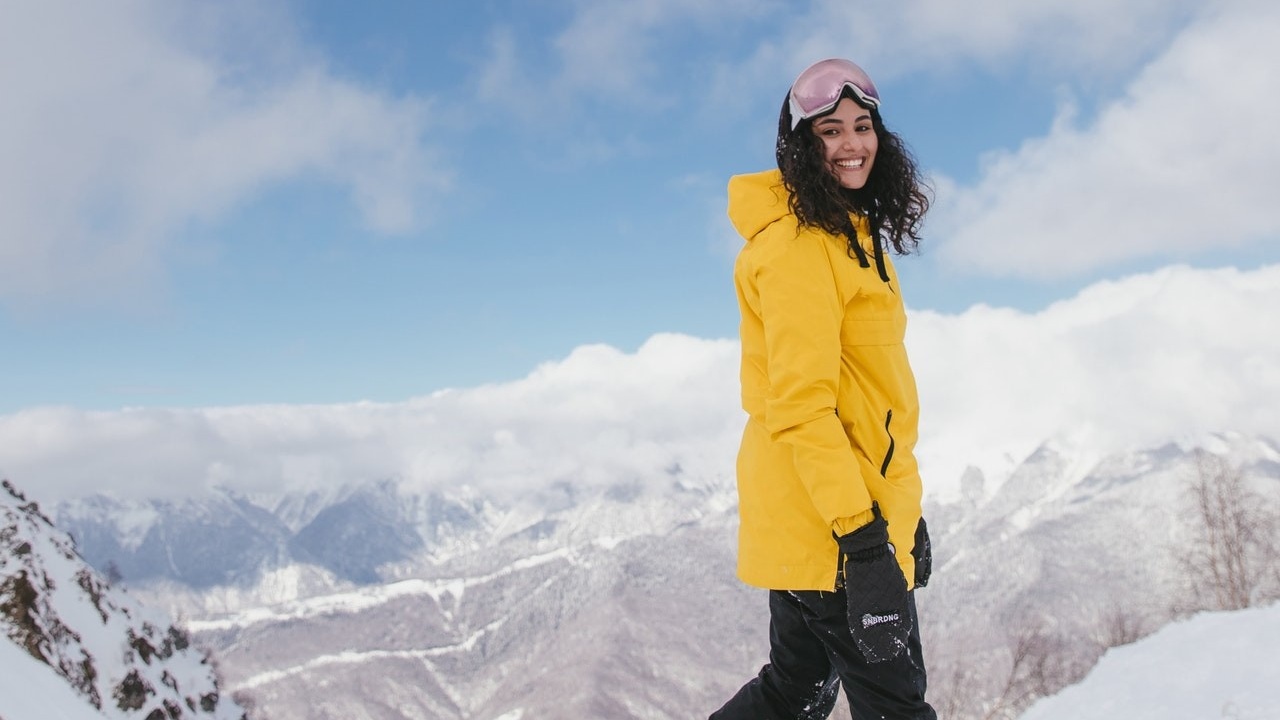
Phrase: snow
(44, 694)
(90, 631)
(364, 598)
(1214, 665)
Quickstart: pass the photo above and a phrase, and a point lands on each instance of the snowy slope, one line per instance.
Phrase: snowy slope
(128, 662)
(1214, 665)
(40, 692)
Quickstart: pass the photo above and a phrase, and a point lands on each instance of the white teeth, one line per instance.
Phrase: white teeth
(851, 164)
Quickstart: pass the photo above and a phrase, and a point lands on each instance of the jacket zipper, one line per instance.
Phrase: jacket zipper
(884, 468)
(888, 456)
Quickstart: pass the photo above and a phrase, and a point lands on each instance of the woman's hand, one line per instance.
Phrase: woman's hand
(875, 590)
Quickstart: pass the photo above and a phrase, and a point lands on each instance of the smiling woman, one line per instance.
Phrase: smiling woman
(849, 143)
(828, 485)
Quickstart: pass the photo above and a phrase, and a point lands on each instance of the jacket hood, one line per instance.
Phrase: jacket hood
(756, 201)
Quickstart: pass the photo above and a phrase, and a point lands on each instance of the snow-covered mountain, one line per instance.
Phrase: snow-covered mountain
(223, 538)
(1075, 552)
(77, 648)
(622, 603)
(477, 621)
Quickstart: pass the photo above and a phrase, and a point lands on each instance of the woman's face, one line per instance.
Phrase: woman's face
(849, 143)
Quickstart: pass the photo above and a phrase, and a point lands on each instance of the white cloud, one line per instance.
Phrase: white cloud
(122, 122)
(616, 53)
(598, 417)
(897, 36)
(1185, 163)
(1168, 355)
(1142, 360)
(1083, 45)
(616, 49)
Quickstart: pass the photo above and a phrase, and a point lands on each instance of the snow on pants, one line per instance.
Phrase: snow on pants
(811, 651)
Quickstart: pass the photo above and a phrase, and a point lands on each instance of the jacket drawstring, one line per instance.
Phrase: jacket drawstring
(856, 246)
(873, 225)
(879, 248)
(876, 245)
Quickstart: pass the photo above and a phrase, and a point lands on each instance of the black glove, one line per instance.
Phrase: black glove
(876, 591)
(923, 553)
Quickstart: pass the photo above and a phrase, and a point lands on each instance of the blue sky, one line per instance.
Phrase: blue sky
(318, 202)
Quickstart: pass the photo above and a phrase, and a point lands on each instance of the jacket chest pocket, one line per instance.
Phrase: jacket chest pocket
(873, 316)
(857, 331)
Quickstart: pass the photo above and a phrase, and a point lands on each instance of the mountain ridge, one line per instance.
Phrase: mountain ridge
(622, 603)
(120, 658)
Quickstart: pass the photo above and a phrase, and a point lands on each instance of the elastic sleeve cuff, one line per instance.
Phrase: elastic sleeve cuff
(846, 525)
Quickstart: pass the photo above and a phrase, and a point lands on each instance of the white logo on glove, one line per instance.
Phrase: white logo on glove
(870, 620)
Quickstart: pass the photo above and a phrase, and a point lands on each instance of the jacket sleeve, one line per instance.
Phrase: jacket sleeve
(802, 312)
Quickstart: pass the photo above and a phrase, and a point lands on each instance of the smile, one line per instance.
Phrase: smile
(850, 164)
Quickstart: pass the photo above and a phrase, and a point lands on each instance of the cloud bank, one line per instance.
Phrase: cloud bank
(1169, 355)
(1153, 357)
(599, 417)
(125, 121)
(1183, 164)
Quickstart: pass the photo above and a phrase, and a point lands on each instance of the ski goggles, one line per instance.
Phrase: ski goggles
(819, 87)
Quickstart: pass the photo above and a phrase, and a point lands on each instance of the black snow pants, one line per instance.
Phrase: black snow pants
(812, 652)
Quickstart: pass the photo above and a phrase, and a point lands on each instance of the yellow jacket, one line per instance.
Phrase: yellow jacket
(831, 401)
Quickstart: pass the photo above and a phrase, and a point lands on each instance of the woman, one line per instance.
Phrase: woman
(829, 491)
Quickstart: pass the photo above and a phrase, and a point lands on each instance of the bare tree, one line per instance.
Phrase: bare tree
(249, 704)
(1040, 664)
(958, 692)
(1118, 625)
(1232, 553)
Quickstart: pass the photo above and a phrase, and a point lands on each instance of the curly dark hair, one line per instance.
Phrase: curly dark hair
(894, 200)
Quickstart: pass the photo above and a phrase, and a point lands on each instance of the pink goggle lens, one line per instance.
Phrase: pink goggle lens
(818, 88)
